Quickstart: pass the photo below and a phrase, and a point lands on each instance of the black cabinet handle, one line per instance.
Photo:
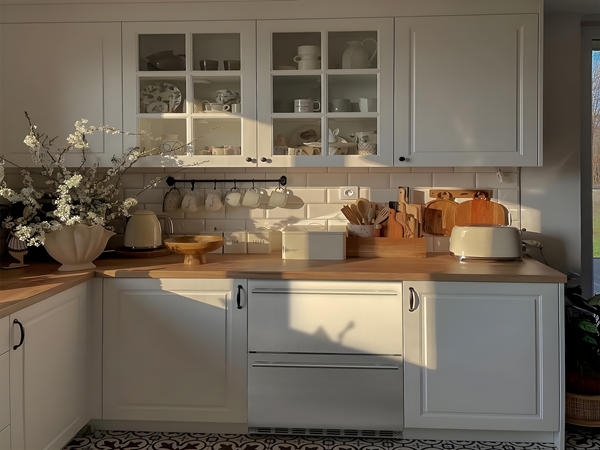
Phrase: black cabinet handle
(22, 334)
(239, 297)
(263, 159)
(402, 159)
(413, 305)
(248, 159)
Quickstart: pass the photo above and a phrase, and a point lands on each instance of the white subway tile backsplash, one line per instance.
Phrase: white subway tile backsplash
(489, 180)
(410, 179)
(441, 243)
(381, 196)
(293, 180)
(510, 199)
(292, 210)
(373, 180)
(454, 180)
(149, 196)
(188, 226)
(389, 169)
(242, 212)
(320, 180)
(431, 169)
(323, 212)
(252, 224)
(157, 209)
(306, 169)
(212, 224)
(132, 181)
(245, 176)
(161, 180)
(299, 195)
(336, 225)
(347, 169)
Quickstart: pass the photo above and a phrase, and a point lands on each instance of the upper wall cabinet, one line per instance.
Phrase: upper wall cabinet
(325, 81)
(191, 82)
(467, 91)
(60, 73)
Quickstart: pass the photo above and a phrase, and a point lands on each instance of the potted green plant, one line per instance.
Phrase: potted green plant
(582, 354)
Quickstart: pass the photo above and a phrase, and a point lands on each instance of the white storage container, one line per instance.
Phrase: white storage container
(313, 243)
(263, 240)
(235, 241)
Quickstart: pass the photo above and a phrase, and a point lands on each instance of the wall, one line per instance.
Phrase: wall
(315, 191)
(550, 195)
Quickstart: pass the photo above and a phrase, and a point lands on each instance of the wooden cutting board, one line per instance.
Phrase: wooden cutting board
(410, 209)
(438, 217)
(480, 212)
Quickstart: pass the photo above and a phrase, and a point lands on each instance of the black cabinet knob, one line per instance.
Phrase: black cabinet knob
(402, 158)
(263, 159)
(248, 159)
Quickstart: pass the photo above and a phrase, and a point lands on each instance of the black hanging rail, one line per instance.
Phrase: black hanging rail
(281, 180)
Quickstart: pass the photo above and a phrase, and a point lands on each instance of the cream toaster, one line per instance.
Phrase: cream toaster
(491, 242)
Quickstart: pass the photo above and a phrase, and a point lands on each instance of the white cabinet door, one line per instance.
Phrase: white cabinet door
(467, 91)
(60, 73)
(337, 79)
(47, 371)
(175, 350)
(482, 356)
(175, 76)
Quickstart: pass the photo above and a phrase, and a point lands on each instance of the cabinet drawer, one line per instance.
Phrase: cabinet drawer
(4, 335)
(325, 317)
(4, 391)
(348, 392)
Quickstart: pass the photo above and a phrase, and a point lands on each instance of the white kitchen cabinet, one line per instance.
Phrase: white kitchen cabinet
(285, 135)
(48, 398)
(175, 350)
(60, 73)
(482, 356)
(468, 91)
(4, 384)
(167, 89)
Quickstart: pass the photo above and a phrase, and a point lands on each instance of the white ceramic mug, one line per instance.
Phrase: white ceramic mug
(314, 50)
(191, 202)
(252, 196)
(172, 200)
(213, 201)
(303, 105)
(309, 64)
(233, 197)
(220, 150)
(367, 104)
(341, 105)
(219, 107)
(279, 197)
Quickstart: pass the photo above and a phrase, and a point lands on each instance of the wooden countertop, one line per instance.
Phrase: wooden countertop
(23, 287)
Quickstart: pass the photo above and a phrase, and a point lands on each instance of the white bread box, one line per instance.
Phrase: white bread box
(262, 240)
(313, 243)
(494, 242)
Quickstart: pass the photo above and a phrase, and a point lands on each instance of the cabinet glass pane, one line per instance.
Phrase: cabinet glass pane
(352, 50)
(216, 51)
(162, 95)
(287, 89)
(290, 137)
(163, 135)
(349, 131)
(286, 51)
(213, 136)
(210, 92)
(161, 52)
(345, 92)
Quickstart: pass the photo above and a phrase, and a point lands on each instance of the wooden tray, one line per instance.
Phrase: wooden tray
(385, 247)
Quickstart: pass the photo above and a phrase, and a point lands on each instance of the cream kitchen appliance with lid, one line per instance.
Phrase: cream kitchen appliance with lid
(143, 231)
(488, 242)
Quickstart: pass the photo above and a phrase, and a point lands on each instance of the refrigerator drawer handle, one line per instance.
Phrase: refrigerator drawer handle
(292, 365)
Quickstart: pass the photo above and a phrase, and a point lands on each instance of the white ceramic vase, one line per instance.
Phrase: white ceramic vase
(76, 247)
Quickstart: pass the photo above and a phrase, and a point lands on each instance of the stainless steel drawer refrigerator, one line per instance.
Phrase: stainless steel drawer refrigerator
(325, 357)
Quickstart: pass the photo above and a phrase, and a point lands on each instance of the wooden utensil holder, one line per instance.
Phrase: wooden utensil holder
(386, 247)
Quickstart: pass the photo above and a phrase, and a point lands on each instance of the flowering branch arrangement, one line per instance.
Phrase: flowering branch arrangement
(80, 196)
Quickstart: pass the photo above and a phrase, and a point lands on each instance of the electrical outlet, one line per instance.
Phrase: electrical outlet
(348, 192)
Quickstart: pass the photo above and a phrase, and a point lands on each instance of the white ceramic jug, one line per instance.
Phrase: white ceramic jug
(356, 57)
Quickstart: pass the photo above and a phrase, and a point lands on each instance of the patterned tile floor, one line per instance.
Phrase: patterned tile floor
(578, 438)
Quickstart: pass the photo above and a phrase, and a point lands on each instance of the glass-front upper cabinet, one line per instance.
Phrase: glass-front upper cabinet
(191, 88)
(325, 81)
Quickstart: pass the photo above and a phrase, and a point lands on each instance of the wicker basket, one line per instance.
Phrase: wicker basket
(583, 410)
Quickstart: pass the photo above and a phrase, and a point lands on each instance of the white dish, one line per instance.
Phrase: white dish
(165, 93)
(304, 134)
(157, 107)
(332, 144)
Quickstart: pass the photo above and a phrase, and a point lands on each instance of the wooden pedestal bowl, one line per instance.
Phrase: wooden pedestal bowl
(194, 248)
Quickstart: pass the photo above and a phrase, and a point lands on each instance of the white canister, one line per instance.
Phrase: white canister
(263, 240)
(235, 241)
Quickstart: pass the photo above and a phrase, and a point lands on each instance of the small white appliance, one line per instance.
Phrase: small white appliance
(490, 242)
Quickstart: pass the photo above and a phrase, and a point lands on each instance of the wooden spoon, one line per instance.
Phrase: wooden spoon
(363, 206)
(356, 212)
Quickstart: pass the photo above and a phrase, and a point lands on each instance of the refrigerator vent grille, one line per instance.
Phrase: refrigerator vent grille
(325, 432)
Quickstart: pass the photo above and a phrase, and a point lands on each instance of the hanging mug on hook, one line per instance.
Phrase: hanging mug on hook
(172, 200)
(233, 197)
(356, 56)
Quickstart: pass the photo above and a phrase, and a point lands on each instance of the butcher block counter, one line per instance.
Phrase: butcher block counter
(23, 287)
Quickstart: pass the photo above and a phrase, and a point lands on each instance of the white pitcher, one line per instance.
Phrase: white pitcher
(356, 56)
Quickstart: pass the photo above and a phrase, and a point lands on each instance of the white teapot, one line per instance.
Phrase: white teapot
(356, 56)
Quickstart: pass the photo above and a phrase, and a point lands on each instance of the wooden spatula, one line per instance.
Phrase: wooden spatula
(411, 209)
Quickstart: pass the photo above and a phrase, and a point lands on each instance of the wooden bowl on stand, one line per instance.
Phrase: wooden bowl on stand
(194, 248)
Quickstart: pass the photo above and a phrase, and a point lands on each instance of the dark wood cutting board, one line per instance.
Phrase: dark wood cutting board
(438, 217)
